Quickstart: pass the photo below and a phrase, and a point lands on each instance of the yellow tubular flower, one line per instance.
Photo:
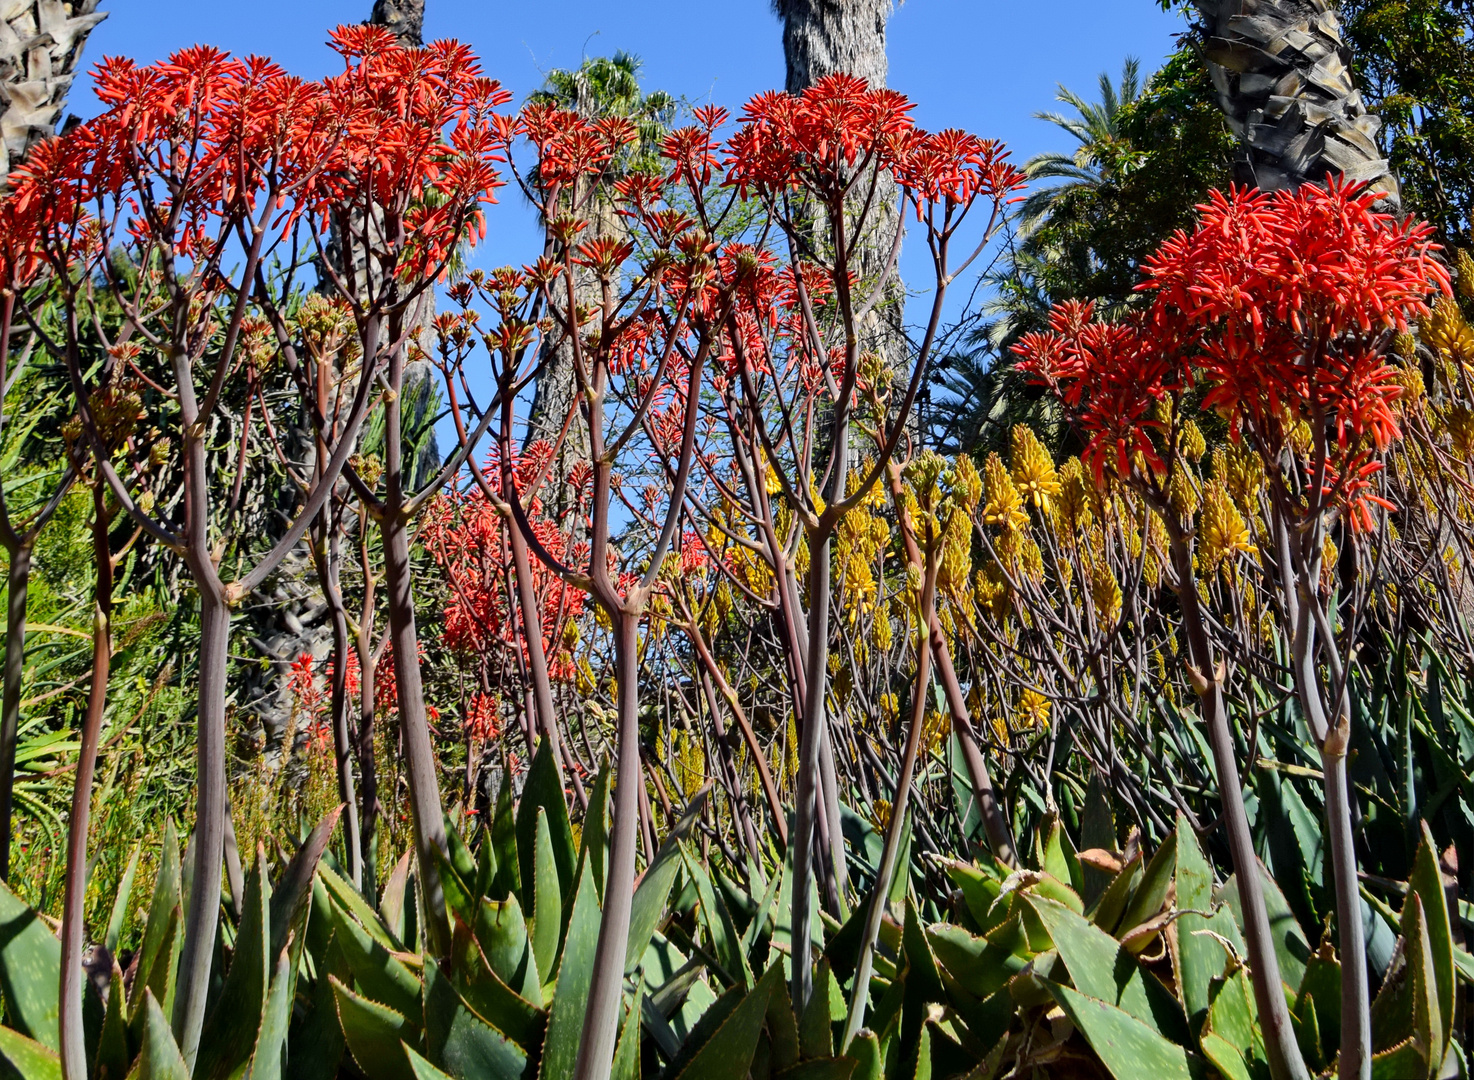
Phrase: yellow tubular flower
(1033, 473)
(1032, 713)
(1465, 264)
(1193, 443)
(1222, 534)
(967, 485)
(1004, 506)
(1182, 494)
(1460, 424)
(1077, 499)
(1242, 472)
(1104, 592)
(1446, 332)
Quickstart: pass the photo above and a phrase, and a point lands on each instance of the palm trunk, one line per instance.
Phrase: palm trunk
(73, 1041)
(405, 19)
(18, 586)
(825, 37)
(39, 57)
(1283, 79)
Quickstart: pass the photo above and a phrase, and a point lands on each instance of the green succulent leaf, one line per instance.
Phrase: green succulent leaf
(30, 971)
(542, 792)
(1127, 1047)
(373, 1033)
(464, 1044)
(379, 976)
(420, 1068)
(1101, 968)
(159, 1058)
(728, 1052)
(1426, 883)
(649, 905)
(269, 1057)
(112, 1056)
(29, 1059)
(575, 974)
(1199, 958)
(231, 1029)
(546, 898)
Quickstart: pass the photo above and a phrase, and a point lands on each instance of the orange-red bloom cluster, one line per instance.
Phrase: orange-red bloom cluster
(195, 148)
(1282, 307)
(467, 537)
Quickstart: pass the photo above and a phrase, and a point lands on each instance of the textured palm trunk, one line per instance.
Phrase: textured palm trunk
(404, 18)
(1283, 79)
(40, 53)
(826, 37)
(551, 417)
(834, 37)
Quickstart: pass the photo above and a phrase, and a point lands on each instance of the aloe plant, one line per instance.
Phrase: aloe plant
(128, 1033)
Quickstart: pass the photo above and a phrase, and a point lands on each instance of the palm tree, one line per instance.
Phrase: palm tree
(827, 37)
(600, 87)
(1283, 79)
(831, 37)
(1103, 150)
(1146, 152)
(406, 18)
(40, 50)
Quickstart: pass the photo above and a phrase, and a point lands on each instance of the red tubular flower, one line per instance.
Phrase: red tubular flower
(1282, 306)
(1111, 376)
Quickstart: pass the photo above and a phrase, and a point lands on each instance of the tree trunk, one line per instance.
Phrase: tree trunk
(404, 18)
(825, 37)
(40, 52)
(1283, 79)
(832, 37)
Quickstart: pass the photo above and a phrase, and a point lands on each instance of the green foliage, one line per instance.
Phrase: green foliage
(1147, 155)
(610, 86)
(1414, 62)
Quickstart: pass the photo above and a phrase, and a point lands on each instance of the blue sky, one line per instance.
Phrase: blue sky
(983, 66)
